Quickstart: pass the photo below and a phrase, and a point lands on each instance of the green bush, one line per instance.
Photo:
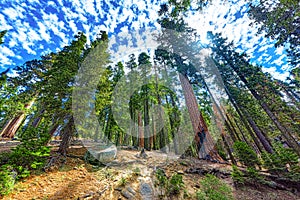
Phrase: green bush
(172, 185)
(175, 184)
(237, 175)
(277, 162)
(7, 179)
(31, 154)
(200, 195)
(214, 189)
(245, 154)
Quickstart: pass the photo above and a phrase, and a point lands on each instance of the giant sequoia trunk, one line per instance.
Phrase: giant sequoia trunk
(12, 126)
(197, 120)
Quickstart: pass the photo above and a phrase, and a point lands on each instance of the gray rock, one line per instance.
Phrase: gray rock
(100, 154)
(127, 194)
(131, 190)
(146, 191)
(165, 149)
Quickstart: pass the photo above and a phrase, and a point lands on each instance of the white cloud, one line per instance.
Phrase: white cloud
(90, 8)
(6, 51)
(33, 1)
(12, 13)
(33, 35)
(265, 47)
(273, 71)
(28, 49)
(4, 25)
(279, 61)
(73, 26)
(43, 31)
(22, 32)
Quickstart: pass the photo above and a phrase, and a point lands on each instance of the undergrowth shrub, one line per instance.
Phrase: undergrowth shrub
(29, 155)
(284, 161)
(7, 179)
(245, 154)
(214, 189)
(175, 184)
(237, 176)
(170, 186)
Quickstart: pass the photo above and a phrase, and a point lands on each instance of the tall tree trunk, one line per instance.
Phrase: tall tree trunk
(10, 129)
(53, 129)
(38, 119)
(267, 146)
(245, 121)
(162, 133)
(258, 132)
(173, 123)
(146, 123)
(240, 130)
(153, 137)
(219, 117)
(231, 131)
(197, 120)
(286, 133)
(141, 131)
(233, 128)
(135, 135)
(68, 131)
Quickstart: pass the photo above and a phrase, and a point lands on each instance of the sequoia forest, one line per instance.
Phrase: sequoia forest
(184, 119)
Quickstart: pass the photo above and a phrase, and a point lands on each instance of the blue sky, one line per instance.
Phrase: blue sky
(37, 27)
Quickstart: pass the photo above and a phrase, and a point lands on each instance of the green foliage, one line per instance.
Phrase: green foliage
(32, 152)
(245, 154)
(137, 171)
(29, 155)
(161, 178)
(123, 181)
(7, 179)
(172, 185)
(221, 150)
(175, 184)
(214, 189)
(252, 173)
(200, 195)
(237, 175)
(2, 33)
(279, 161)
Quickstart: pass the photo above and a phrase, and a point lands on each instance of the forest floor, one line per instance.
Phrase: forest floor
(128, 177)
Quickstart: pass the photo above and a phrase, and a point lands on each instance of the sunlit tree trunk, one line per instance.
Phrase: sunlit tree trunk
(197, 119)
(10, 129)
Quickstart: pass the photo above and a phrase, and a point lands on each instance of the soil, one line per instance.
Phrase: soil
(72, 178)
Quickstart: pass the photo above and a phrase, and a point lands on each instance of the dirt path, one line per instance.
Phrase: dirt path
(127, 177)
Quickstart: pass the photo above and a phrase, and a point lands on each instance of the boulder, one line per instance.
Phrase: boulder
(100, 154)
